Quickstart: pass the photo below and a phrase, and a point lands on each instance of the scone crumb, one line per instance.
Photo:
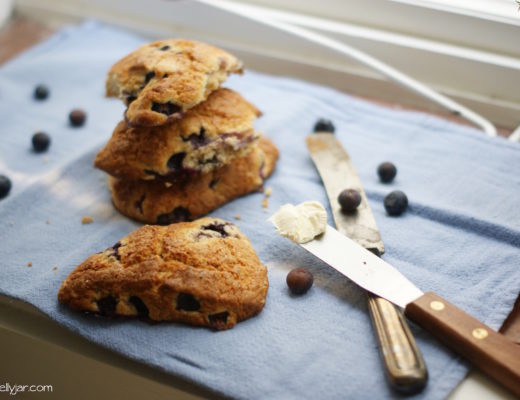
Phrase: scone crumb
(87, 220)
(168, 184)
(55, 268)
(48, 222)
(29, 264)
(265, 202)
(238, 216)
(268, 191)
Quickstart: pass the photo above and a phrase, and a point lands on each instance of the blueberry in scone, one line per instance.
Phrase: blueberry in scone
(156, 202)
(208, 136)
(161, 80)
(203, 273)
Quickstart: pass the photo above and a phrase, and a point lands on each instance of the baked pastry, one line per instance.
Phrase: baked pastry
(156, 202)
(163, 79)
(202, 273)
(208, 136)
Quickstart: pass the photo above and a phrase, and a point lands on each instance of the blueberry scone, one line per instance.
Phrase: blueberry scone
(203, 273)
(161, 80)
(208, 136)
(156, 202)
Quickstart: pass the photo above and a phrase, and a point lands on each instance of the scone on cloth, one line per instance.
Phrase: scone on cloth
(186, 145)
(207, 137)
(155, 202)
(203, 273)
(161, 80)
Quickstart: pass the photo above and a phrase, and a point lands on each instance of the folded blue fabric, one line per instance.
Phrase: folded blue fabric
(459, 237)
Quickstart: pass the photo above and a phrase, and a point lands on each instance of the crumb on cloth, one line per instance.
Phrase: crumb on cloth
(87, 220)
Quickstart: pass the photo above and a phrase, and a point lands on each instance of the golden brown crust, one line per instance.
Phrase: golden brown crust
(208, 136)
(202, 273)
(159, 203)
(162, 79)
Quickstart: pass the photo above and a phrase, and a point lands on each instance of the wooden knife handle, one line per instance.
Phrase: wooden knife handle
(487, 349)
(404, 363)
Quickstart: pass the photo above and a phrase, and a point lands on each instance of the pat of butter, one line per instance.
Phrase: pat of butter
(300, 223)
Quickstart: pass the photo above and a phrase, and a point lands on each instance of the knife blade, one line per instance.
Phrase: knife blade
(487, 349)
(405, 367)
(337, 173)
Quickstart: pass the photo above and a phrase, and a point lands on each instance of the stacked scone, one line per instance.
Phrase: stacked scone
(186, 145)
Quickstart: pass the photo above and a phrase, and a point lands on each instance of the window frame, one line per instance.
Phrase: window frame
(441, 64)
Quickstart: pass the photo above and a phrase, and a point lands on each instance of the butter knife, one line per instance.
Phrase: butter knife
(404, 363)
(488, 350)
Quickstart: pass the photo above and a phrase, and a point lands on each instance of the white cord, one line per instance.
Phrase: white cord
(515, 136)
(255, 13)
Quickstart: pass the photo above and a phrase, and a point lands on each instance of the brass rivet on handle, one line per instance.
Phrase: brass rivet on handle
(437, 305)
(479, 333)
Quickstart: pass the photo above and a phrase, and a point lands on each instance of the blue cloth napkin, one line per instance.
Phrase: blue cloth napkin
(460, 236)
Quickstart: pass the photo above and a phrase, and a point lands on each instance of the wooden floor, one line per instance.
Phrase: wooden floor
(18, 35)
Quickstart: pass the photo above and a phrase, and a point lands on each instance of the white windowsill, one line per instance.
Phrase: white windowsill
(476, 77)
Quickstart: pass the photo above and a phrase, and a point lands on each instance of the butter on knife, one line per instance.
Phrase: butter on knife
(300, 223)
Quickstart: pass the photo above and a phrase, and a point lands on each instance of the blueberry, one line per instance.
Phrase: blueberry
(115, 251)
(5, 186)
(299, 280)
(179, 214)
(77, 117)
(139, 203)
(166, 108)
(396, 202)
(219, 320)
(129, 98)
(40, 141)
(41, 92)
(349, 199)
(386, 172)
(107, 306)
(164, 48)
(175, 161)
(213, 182)
(324, 125)
(140, 307)
(187, 302)
(148, 77)
(220, 228)
(197, 139)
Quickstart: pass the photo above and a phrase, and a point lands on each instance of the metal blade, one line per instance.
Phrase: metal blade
(363, 267)
(338, 173)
